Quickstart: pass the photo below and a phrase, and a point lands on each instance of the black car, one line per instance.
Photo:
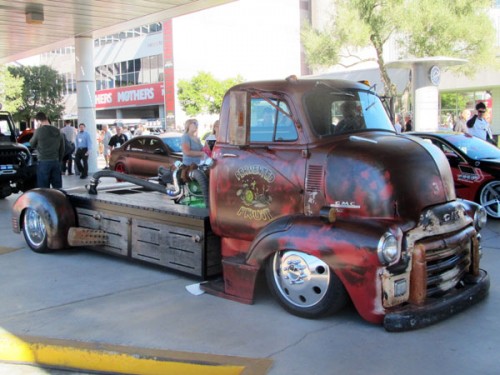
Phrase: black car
(475, 165)
(17, 167)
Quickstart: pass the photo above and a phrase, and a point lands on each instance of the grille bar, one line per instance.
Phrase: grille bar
(448, 259)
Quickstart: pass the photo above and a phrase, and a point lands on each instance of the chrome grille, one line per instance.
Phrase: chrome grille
(448, 259)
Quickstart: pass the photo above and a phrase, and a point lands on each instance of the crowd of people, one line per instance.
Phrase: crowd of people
(57, 148)
(475, 124)
(403, 123)
(467, 122)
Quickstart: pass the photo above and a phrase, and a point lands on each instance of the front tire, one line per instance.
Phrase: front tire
(489, 198)
(304, 285)
(35, 231)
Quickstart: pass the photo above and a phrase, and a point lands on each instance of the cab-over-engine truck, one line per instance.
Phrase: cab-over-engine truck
(310, 183)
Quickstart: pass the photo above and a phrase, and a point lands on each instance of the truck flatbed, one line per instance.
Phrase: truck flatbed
(148, 226)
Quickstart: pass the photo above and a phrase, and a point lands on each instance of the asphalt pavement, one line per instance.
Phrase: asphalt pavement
(78, 295)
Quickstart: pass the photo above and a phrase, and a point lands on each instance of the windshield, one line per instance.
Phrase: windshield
(333, 112)
(475, 148)
(5, 129)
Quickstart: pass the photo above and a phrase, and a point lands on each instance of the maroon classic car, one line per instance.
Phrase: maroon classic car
(142, 155)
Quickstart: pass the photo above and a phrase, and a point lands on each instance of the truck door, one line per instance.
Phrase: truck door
(262, 179)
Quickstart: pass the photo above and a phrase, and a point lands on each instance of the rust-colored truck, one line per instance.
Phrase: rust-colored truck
(310, 184)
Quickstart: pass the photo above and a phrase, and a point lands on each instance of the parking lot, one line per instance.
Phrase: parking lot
(96, 299)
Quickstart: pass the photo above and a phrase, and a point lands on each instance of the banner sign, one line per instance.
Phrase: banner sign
(130, 96)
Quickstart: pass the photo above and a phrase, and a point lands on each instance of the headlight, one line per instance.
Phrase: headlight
(23, 156)
(388, 250)
(480, 218)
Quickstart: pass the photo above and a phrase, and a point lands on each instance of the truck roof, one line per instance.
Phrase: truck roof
(294, 84)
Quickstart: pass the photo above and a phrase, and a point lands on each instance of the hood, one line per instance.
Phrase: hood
(4, 145)
(387, 176)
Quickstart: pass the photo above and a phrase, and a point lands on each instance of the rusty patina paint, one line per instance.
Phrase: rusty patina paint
(54, 207)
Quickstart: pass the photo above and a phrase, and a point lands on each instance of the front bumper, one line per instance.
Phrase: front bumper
(412, 317)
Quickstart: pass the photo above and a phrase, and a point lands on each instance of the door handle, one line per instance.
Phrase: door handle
(229, 155)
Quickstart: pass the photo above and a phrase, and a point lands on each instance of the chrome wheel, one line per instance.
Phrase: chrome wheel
(34, 230)
(489, 198)
(304, 284)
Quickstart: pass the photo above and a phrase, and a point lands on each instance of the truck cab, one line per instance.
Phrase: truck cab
(312, 184)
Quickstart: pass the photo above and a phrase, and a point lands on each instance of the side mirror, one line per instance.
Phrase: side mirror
(239, 118)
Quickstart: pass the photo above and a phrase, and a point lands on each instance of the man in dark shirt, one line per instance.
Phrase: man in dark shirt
(118, 139)
(49, 144)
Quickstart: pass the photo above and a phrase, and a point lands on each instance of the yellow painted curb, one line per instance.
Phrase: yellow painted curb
(66, 354)
(6, 250)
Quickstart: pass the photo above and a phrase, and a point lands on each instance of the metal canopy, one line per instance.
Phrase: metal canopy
(28, 28)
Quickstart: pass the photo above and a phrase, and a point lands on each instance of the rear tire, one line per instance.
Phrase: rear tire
(35, 231)
(120, 168)
(304, 285)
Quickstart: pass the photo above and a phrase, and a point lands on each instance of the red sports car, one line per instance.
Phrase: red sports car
(475, 165)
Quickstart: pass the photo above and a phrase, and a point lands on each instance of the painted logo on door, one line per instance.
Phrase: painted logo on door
(254, 192)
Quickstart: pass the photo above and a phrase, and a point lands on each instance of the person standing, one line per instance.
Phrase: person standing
(49, 143)
(397, 124)
(192, 149)
(461, 124)
(105, 142)
(70, 133)
(408, 124)
(478, 126)
(83, 149)
(118, 139)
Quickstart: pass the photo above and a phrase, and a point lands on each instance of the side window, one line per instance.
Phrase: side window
(136, 145)
(155, 146)
(268, 124)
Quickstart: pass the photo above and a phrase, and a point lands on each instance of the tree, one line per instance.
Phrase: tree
(11, 87)
(422, 28)
(203, 93)
(43, 90)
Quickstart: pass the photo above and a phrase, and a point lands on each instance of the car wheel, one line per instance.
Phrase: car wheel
(489, 198)
(304, 285)
(35, 231)
(120, 168)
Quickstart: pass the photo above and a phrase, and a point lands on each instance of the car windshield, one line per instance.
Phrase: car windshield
(333, 112)
(173, 142)
(474, 147)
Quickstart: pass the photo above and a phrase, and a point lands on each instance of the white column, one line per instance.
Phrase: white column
(495, 123)
(425, 97)
(85, 91)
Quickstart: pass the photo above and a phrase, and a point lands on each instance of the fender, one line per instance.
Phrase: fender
(54, 207)
(349, 247)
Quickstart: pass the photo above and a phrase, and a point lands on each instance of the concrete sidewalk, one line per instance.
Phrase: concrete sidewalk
(78, 295)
